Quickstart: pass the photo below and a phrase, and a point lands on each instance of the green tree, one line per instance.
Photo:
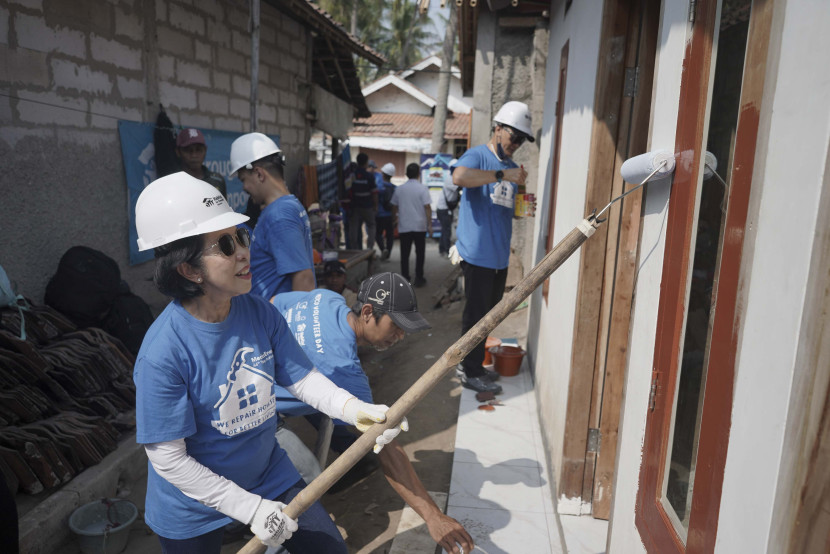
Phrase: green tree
(394, 28)
(409, 34)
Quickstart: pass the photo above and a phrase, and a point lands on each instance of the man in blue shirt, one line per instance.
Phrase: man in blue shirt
(384, 223)
(329, 332)
(281, 251)
(491, 179)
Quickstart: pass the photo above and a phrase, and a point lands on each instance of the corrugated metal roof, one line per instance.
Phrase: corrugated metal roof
(410, 125)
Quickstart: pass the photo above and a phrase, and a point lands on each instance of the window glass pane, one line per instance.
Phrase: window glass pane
(723, 117)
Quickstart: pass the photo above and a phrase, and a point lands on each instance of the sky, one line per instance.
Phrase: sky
(435, 11)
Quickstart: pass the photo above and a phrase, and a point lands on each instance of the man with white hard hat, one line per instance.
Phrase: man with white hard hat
(281, 253)
(384, 223)
(491, 180)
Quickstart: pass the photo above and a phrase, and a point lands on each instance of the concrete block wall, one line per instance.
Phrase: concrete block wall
(73, 69)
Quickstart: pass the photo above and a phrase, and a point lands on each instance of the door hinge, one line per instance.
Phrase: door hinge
(594, 440)
(652, 394)
(692, 10)
(632, 81)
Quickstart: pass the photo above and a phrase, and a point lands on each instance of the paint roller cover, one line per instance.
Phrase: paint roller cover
(635, 169)
(710, 165)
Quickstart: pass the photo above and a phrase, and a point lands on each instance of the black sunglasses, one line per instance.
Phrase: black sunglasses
(228, 246)
(515, 136)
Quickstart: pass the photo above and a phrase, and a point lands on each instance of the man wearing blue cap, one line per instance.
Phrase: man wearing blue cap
(329, 332)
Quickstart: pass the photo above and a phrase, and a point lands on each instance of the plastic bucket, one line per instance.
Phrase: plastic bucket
(508, 359)
(490, 343)
(103, 526)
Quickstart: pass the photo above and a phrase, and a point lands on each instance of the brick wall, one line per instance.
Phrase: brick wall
(71, 70)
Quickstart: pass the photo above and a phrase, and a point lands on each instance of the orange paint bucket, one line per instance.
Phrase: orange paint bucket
(489, 343)
(507, 359)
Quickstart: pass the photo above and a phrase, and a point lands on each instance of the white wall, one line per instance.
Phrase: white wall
(790, 165)
(551, 327)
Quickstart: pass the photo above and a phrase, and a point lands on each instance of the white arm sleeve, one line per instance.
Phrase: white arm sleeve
(171, 461)
(316, 390)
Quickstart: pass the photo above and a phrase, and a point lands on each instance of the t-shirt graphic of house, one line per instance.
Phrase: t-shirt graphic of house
(247, 399)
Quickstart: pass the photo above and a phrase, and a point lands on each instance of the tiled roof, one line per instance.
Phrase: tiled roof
(409, 125)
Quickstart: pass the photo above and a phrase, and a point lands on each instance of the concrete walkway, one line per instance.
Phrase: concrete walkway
(500, 488)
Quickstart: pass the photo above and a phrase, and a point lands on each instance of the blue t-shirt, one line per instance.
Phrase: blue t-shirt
(382, 187)
(484, 226)
(319, 321)
(281, 246)
(213, 385)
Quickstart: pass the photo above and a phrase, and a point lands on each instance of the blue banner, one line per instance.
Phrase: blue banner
(138, 153)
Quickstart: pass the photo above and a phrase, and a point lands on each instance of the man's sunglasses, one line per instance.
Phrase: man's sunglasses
(228, 246)
(516, 137)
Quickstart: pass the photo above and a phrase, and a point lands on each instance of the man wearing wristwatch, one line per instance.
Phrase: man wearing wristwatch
(491, 179)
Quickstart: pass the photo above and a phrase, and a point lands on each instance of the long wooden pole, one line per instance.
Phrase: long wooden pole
(454, 354)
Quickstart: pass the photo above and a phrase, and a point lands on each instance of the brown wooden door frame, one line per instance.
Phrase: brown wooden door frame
(651, 519)
(621, 260)
(620, 129)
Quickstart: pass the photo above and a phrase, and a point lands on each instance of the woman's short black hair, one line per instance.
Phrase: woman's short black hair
(168, 257)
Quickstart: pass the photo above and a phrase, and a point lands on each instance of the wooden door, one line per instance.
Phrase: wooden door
(608, 263)
(687, 430)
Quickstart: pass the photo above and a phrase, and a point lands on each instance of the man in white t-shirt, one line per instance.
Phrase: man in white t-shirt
(411, 208)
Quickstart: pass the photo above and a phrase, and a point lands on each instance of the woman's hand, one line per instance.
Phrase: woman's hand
(271, 525)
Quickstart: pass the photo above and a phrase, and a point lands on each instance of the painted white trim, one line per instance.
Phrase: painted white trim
(406, 86)
(425, 63)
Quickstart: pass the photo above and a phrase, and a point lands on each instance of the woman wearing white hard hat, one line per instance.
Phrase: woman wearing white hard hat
(205, 379)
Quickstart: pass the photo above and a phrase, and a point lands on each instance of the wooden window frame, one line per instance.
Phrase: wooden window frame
(652, 521)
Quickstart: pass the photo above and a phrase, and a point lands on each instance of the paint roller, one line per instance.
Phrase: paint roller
(658, 165)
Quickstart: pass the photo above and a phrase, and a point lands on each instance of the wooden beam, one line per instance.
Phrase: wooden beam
(340, 72)
(325, 74)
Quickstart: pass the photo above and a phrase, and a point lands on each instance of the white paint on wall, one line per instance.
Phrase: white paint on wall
(783, 216)
(551, 352)
(672, 37)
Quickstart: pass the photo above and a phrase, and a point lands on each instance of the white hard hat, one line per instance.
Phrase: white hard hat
(388, 169)
(249, 148)
(179, 206)
(516, 115)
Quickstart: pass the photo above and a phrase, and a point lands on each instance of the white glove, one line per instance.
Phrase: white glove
(454, 256)
(270, 524)
(363, 415)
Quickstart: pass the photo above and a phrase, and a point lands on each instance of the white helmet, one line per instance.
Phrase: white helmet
(249, 148)
(179, 206)
(388, 169)
(516, 115)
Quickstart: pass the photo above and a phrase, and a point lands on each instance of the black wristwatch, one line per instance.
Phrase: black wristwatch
(499, 175)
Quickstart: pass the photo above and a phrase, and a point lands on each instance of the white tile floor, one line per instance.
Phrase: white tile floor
(500, 490)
